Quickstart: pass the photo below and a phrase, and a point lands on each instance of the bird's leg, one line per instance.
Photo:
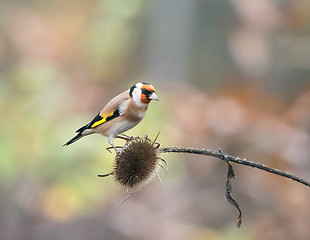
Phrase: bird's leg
(111, 141)
(108, 148)
(126, 138)
(116, 150)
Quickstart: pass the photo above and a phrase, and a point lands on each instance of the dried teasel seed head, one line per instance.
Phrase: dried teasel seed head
(137, 163)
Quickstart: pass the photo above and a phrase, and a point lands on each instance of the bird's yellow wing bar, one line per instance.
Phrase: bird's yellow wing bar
(98, 120)
(102, 120)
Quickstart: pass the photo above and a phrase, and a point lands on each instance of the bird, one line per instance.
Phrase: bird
(121, 113)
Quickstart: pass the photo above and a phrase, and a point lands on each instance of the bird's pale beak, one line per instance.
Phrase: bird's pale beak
(153, 97)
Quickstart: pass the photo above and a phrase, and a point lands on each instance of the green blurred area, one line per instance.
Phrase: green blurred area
(229, 74)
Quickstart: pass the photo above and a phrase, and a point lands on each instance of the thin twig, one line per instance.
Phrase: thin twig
(237, 160)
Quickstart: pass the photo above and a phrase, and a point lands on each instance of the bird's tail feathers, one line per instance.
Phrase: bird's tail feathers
(82, 129)
(77, 137)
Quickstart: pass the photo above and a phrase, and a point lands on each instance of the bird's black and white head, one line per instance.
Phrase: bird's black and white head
(143, 93)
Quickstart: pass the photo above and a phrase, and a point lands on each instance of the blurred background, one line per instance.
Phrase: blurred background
(231, 75)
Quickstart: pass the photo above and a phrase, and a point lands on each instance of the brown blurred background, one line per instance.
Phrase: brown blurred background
(231, 75)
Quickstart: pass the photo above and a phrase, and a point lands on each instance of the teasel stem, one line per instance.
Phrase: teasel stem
(220, 155)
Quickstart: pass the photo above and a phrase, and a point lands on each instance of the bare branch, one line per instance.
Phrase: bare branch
(237, 160)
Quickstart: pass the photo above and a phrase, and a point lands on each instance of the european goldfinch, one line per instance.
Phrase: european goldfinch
(122, 113)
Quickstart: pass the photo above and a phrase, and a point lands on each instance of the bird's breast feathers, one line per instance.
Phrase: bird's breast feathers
(120, 127)
(134, 113)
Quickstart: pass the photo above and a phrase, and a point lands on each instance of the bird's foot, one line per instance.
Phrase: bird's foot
(117, 149)
(126, 138)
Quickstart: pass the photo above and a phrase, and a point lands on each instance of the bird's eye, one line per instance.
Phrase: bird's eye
(144, 91)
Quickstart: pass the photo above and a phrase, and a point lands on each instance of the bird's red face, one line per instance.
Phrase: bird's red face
(148, 93)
